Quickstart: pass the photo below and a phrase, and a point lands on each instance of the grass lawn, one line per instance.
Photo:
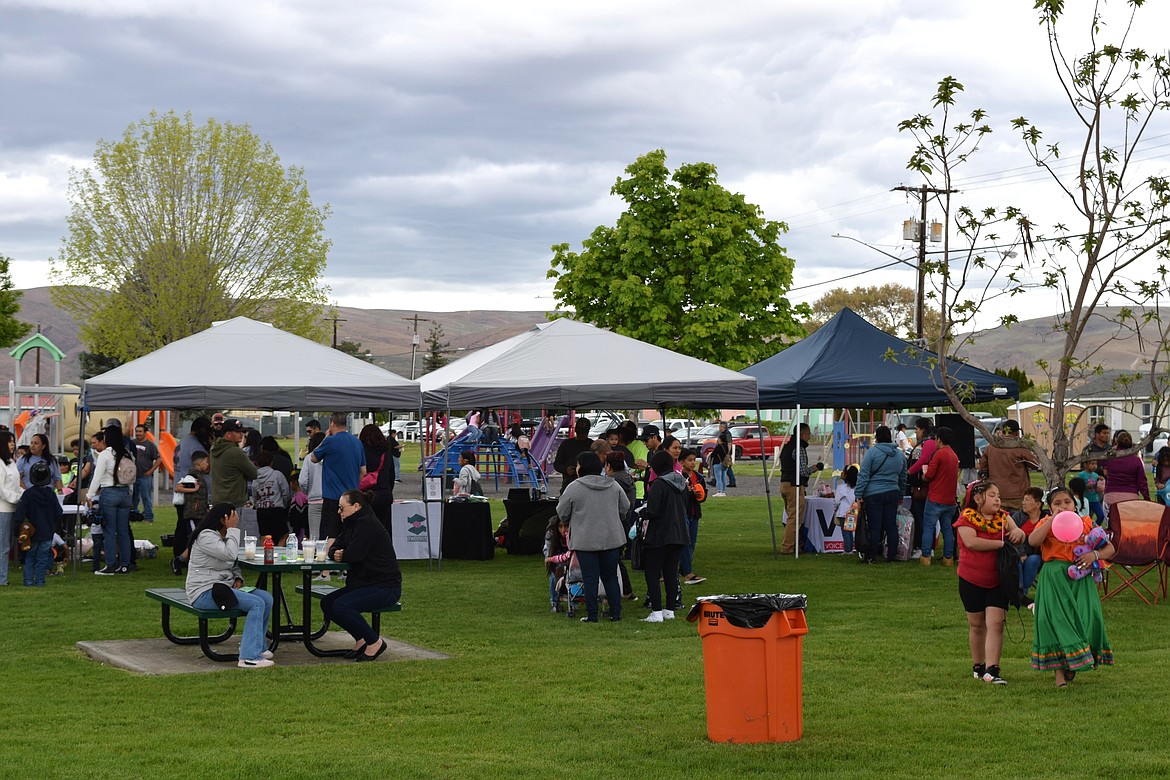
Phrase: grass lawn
(887, 684)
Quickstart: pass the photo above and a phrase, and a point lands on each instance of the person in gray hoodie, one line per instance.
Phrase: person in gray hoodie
(665, 535)
(594, 505)
(881, 485)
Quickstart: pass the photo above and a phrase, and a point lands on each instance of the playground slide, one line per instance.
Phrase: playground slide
(166, 450)
(543, 443)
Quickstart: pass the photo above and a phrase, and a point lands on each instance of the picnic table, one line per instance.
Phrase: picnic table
(303, 631)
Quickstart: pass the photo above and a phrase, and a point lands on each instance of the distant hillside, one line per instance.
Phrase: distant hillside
(384, 332)
(1030, 340)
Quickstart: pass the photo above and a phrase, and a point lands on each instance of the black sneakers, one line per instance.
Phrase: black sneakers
(992, 676)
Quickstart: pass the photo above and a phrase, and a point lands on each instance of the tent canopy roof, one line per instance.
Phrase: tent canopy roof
(244, 364)
(570, 364)
(848, 363)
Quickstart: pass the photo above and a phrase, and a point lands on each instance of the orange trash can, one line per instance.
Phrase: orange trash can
(752, 675)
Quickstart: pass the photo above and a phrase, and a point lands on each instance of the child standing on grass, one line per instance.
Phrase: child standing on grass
(843, 498)
(697, 494)
(1070, 626)
(1094, 489)
(1161, 469)
(983, 529)
(39, 506)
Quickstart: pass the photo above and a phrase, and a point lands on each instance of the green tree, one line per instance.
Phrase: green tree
(437, 349)
(93, 364)
(1110, 246)
(889, 307)
(12, 330)
(689, 266)
(176, 226)
(354, 349)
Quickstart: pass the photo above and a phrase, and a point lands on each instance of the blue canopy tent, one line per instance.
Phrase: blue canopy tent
(848, 363)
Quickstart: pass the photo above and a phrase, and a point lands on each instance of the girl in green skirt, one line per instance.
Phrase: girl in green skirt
(1070, 627)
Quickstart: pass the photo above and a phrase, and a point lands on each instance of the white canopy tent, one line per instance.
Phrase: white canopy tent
(573, 365)
(569, 364)
(244, 364)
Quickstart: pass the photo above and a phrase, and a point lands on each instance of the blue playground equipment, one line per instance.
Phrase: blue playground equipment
(499, 459)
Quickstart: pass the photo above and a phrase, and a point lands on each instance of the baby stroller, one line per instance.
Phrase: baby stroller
(571, 589)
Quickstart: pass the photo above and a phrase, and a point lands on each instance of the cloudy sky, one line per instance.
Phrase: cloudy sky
(456, 141)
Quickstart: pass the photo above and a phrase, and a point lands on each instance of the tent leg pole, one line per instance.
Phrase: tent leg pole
(767, 489)
(422, 454)
(794, 517)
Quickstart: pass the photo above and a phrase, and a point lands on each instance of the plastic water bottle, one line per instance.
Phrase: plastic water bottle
(292, 547)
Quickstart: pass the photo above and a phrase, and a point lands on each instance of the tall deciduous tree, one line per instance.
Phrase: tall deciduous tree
(889, 307)
(12, 330)
(177, 225)
(1112, 242)
(689, 266)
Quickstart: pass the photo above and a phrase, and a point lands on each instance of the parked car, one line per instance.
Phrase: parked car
(693, 437)
(407, 430)
(746, 442)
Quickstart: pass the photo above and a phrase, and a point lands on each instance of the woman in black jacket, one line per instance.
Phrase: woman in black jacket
(373, 579)
(666, 534)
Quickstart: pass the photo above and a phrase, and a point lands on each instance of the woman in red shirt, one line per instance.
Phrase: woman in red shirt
(983, 529)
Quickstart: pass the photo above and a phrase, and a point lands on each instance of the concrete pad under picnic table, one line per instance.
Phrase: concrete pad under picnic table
(161, 656)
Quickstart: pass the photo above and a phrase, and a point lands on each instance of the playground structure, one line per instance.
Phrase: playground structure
(498, 458)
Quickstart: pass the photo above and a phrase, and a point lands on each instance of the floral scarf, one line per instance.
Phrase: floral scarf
(993, 526)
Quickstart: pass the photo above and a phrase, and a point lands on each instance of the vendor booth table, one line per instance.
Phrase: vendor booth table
(415, 528)
(467, 531)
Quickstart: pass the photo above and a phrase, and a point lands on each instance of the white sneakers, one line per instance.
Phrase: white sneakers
(255, 663)
(267, 654)
(659, 616)
(718, 495)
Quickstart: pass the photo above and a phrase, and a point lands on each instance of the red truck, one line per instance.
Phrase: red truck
(745, 439)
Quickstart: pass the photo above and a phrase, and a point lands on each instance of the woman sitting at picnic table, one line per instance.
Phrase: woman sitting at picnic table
(373, 579)
(214, 581)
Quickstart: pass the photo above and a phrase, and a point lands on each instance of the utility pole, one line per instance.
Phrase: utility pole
(920, 291)
(335, 319)
(414, 340)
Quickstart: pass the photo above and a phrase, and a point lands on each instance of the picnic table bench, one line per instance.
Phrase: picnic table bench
(176, 598)
(320, 590)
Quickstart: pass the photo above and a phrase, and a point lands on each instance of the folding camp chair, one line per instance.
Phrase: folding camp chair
(1140, 532)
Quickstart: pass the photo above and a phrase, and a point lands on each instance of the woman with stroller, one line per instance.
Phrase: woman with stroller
(594, 505)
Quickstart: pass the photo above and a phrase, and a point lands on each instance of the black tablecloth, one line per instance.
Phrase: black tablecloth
(467, 531)
(527, 522)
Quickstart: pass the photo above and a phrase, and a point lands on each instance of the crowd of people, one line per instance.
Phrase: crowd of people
(627, 495)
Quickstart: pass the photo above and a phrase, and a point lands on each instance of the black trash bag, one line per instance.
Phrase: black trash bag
(750, 610)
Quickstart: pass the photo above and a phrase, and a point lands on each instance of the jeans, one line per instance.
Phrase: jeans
(720, 478)
(932, 515)
(662, 563)
(258, 606)
(115, 505)
(603, 565)
(1028, 571)
(846, 536)
(144, 491)
(397, 468)
(345, 607)
(686, 561)
(36, 562)
(881, 515)
(1097, 511)
(5, 544)
(553, 596)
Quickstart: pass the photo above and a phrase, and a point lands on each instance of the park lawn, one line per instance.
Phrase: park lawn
(887, 684)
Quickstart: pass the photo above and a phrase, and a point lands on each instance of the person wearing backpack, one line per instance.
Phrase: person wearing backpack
(113, 480)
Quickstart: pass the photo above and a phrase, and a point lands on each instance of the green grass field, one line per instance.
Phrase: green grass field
(887, 684)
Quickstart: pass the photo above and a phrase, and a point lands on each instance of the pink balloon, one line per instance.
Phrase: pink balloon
(1067, 526)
